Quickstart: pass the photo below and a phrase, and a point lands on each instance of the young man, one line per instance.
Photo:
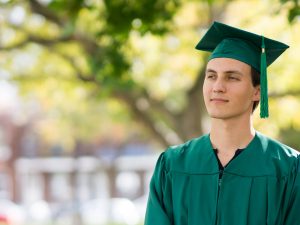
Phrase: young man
(234, 175)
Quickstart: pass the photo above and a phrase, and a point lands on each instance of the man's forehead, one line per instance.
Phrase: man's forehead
(227, 64)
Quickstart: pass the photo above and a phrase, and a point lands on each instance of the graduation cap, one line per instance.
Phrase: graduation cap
(255, 50)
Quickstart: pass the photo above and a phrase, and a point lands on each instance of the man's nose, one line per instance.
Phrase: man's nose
(219, 85)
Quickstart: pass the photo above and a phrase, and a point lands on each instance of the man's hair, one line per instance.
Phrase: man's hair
(255, 75)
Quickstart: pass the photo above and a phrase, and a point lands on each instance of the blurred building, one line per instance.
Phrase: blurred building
(100, 170)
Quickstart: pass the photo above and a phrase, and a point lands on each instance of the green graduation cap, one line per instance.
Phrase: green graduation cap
(255, 50)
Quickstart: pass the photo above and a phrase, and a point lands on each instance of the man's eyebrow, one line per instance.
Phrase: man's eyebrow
(210, 71)
(226, 72)
(233, 72)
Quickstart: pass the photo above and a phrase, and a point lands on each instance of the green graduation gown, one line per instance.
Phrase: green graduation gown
(261, 186)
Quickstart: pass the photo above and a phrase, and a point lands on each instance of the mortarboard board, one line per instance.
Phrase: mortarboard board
(255, 50)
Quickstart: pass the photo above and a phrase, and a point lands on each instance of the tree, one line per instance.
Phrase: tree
(294, 9)
(102, 53)
(130, 51)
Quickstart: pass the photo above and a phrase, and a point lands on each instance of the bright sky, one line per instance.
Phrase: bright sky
(9, 98)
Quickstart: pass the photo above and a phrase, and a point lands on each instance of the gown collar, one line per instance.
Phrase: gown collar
(250, 162)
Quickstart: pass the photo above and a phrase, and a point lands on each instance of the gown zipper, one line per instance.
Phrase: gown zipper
(218, 196)
(220, 181)
(221, 173)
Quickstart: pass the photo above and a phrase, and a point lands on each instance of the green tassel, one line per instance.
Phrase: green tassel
(264, 108)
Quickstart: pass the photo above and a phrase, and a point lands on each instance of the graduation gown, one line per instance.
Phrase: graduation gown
(261, 186)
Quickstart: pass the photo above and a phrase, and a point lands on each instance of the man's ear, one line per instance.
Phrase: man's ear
(256, 96)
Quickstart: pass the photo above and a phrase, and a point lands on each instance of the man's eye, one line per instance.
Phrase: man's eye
(210, 76)
(233, 78)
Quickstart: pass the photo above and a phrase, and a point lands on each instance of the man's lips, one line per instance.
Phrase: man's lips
(218, 100)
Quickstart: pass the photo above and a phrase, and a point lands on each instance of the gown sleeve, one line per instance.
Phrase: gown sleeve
(292, 216)
(157, 208)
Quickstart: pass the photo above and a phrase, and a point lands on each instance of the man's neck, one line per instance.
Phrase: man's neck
(231, 134)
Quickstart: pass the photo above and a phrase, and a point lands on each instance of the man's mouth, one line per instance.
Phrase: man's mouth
(218, 100)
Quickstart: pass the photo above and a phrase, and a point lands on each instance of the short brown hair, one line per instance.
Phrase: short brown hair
(255, 75)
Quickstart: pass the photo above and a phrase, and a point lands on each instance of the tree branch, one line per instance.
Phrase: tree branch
(37, 40)
(143, 117)
(15, 46)
(283, 94)
(89, 46)
(200, 77)
(191, 116)
(79, 75)
(45, 12)
(158, 105)
(36, 7)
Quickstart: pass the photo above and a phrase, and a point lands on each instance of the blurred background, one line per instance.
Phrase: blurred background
(91, 91)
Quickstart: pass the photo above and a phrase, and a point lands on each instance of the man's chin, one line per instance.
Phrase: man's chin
(227, 116)
(220, 116)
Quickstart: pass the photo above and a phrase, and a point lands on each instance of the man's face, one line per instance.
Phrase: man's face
(228, 90)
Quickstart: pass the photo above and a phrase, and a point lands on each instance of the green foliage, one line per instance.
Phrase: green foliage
(294, 9)
(290, 136)
(294, 13)
(142, 50)
(142, 15)
(110, 66)
(67, 8)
